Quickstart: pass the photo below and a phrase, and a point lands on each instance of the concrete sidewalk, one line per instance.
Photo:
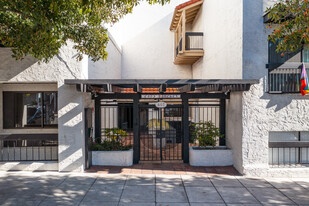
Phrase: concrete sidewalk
(154, 190)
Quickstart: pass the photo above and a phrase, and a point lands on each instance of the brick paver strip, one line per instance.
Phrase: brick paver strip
(172, 169)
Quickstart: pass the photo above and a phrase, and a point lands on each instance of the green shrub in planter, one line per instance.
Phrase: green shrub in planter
(206, 133)
(113, 141)
(110, 146)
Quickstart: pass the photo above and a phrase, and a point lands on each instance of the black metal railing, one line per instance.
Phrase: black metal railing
(116, 125)
(290, 154)
(179, 47)
(194, 41)
(29, 148)
(202, 112)
(284, 80)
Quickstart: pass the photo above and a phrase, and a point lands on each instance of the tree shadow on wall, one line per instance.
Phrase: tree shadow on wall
(11, 67)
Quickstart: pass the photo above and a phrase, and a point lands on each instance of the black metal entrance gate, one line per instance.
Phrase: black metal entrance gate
(158, 134)
(126, 110)
(161, 132)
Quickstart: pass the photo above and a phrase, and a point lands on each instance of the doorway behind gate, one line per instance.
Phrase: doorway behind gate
(161, 132)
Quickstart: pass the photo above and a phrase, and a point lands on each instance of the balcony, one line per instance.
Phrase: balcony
(284, 71)
(193, 48)
(188, 45)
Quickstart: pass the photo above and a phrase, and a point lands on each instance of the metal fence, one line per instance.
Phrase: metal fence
(284, 80)
(194, 41)
(202, 112)
(117, 123)
(291, 154)
(29, 148)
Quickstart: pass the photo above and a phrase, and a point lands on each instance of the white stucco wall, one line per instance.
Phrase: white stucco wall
(148, 44)
(149, 55)
(223, 40)
(198, 26)
(71, 104)
(263, 112)
(234, 133)
(109, 69)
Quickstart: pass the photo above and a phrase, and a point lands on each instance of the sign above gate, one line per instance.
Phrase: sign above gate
(160, 96)
(161, 104)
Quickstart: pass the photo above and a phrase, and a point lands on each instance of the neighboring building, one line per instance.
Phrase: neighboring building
(208, 60)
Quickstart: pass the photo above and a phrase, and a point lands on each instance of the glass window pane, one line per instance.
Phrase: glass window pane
(50, 108)
(8, 110)
(306, 54)
(304, 155)
(22, 110)
(29, 110)
(304, 136)
(283, 136)
(283, 155)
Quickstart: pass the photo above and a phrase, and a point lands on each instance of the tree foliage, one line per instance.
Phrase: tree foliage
(290, 24)
(41, 27)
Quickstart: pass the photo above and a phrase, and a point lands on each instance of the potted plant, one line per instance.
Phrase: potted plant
(112, 149)
(205, 135)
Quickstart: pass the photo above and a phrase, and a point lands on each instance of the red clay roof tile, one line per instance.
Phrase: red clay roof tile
(183, 5)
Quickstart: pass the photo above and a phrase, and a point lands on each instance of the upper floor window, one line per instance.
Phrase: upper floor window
(284, 71)
(306, 54)
(276, 58)
(29, 109)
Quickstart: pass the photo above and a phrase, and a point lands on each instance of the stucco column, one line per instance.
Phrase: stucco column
(71, 128)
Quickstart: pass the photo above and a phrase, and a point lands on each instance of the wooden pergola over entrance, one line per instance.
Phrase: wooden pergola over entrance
(144, 93)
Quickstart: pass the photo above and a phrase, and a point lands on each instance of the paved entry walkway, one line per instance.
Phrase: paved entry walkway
(148, 190)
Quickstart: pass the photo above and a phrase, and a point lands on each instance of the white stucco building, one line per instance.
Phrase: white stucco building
(208, 60)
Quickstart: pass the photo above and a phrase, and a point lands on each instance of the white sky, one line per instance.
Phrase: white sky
(143, 16)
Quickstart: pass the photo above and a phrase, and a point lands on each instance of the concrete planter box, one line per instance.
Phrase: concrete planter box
(113, 158)
(219, 156)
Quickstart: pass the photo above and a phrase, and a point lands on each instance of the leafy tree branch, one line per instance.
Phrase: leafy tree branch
(41, 27)
(289, 20)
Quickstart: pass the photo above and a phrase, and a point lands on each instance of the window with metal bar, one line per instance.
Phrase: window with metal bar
(285, 70)
(289, 148)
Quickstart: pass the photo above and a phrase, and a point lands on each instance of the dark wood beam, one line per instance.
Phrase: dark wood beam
(162, 88)
(187, 88)
(235, 87)
(210, 88)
